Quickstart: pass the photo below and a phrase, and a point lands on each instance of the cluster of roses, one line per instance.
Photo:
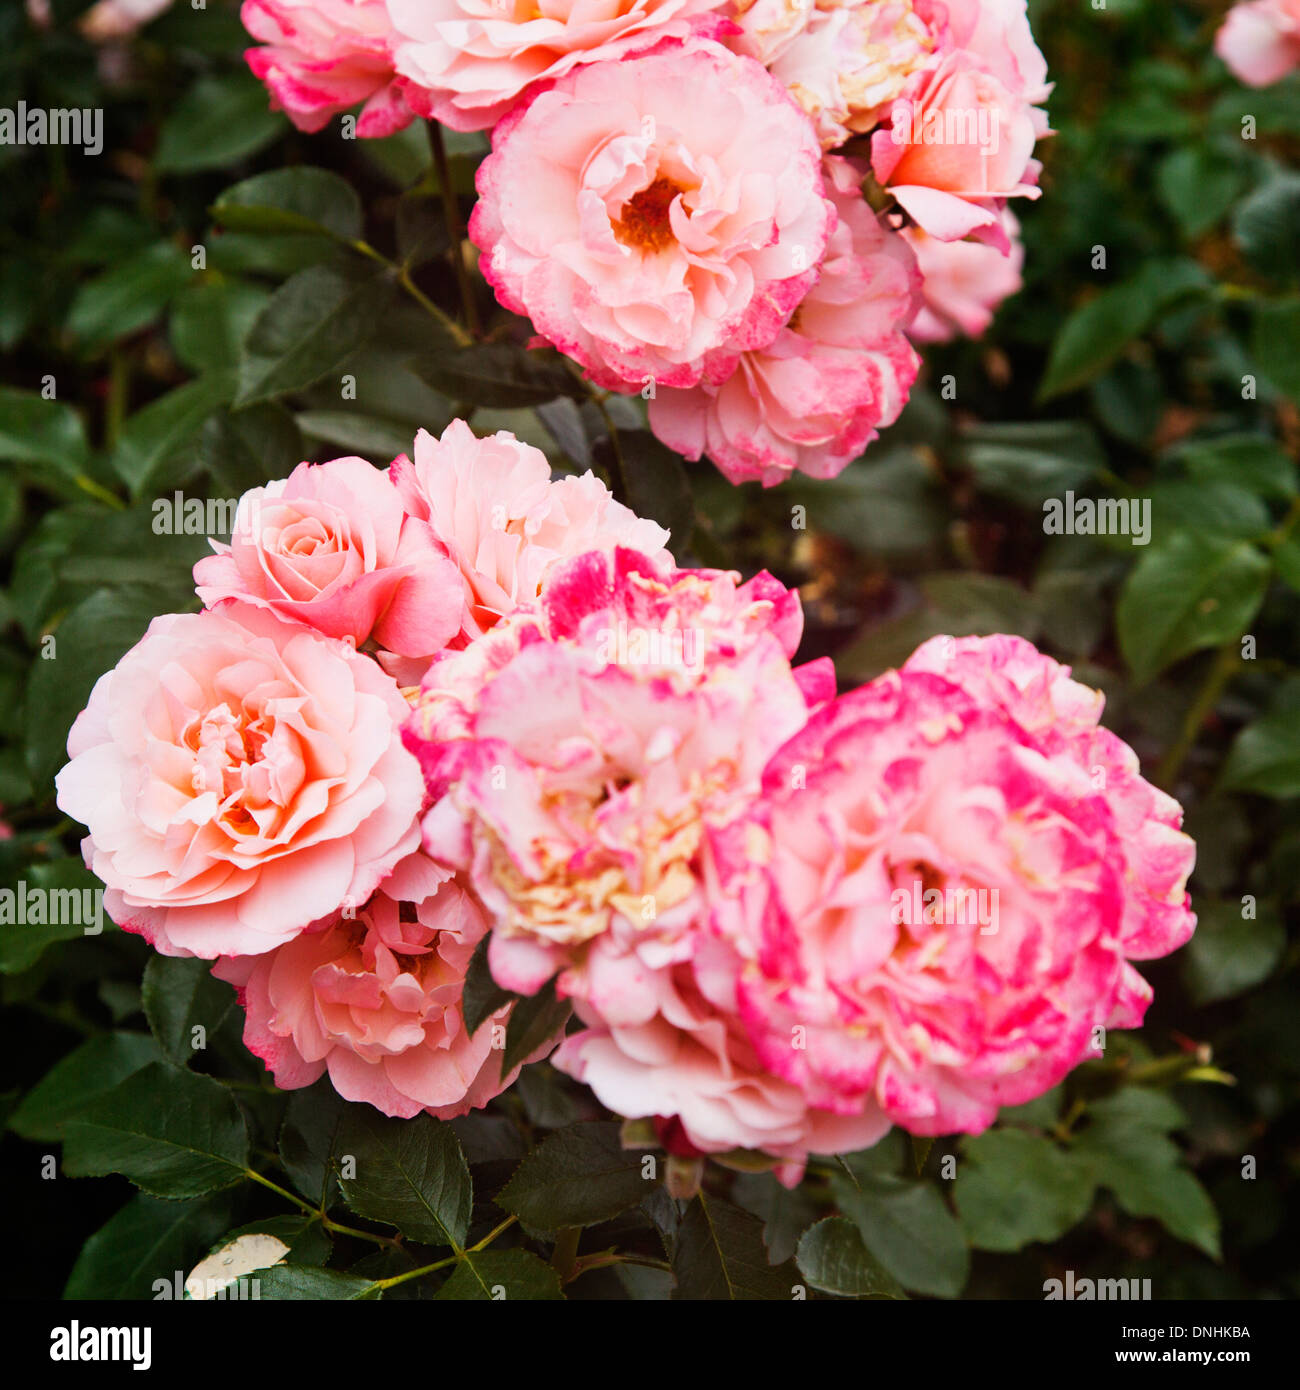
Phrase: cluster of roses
(663, 203)
(459, 697)
(1260, 40)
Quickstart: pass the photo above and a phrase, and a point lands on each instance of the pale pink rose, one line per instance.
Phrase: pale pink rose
(850, 59)
(689, 1060)
(997, 34)
(1260, 40)
(959, 143)
(939, 895)
(504, 520)
(324, 56)
(118, 19)
(841, 368)
(654, 217)
(331, 546)
(374, 997)
(578, 751)
(240, 777)
(1064, 716)
(467, 62)
(963, 282)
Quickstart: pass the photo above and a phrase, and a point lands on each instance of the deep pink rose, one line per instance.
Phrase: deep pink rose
(948, 874)
(504, 520)
(373, 995)
(1260, 40)
(323, 56)
(578, 750)
(240, 777)
(814, 398)
(963, 282)
(654, 217)
(331, 546)
(466, 62)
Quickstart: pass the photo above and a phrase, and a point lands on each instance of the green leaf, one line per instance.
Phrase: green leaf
(720, 1255)
(172, 1132)
(163, 434)
(482, 996)
(367, 435)
(1185, 594)
(33, 430)
(129, 295)
(67, 914)
(1141, 1167)
(93, 1069)
(310, 1141)
(305, 1282)
(832, 1257)
(218, 122)
(497, 374)
(786, 1214)
(576, 1177)
(178, 995)
(210, 320)
(311, 325)
(89, 641)
(910, 1230)
(1267, 226)
(250, 448)
(146, 1241)
(1097, 332)
(1028, 463)
(1266, 757)
(1015, 1187)
(1251, 461)
(408, 1173)
(657, 485)
(1230, 953)
(533, 1020)
(1275, 332)
(1198, 186)
(294, 201)
(503, 1276)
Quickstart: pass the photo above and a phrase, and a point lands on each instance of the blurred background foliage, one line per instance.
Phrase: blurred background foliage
(186, 311)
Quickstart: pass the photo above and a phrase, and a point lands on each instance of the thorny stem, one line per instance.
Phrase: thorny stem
(455, 233)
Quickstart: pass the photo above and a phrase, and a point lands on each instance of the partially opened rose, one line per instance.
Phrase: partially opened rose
(332, 547)
(1260, 40)
(240, 777)
(466, 62)
(654, 217)
(374, 996)
(504, 520)
(321, 57)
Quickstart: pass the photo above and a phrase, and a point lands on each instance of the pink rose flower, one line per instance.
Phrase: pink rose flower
(844, 62)
(963, 282)
(331, 546)
(118, 19)
(504, 521)
(813, 399)
(654, 217)
(1260, 40)
(577, 752)
(374, 997)
(240, 777)
(959, 143)
(942, 899)
(688, 1059)
(467, 62)
(323, 56)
